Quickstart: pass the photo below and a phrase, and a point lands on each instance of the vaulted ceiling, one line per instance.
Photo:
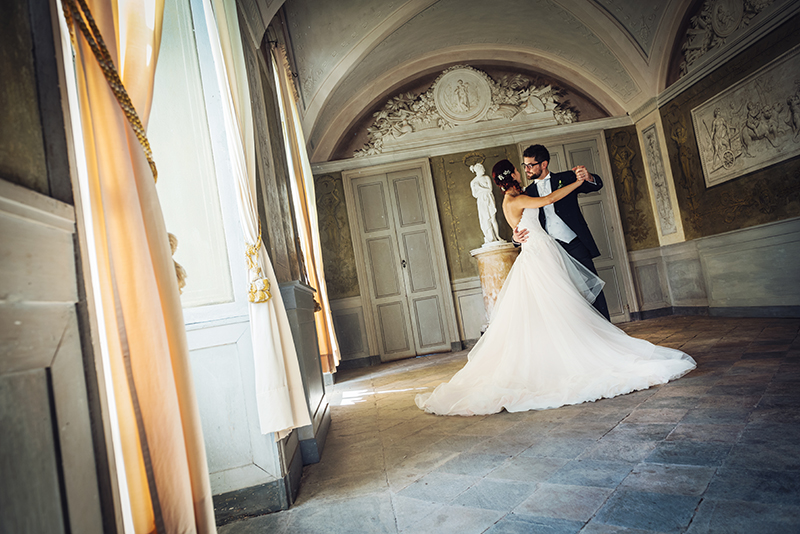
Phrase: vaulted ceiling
(352, 55)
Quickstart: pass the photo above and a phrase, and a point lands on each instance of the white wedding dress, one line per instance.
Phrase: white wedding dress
(546, 346)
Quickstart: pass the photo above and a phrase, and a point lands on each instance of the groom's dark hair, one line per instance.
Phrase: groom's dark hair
(537, 152)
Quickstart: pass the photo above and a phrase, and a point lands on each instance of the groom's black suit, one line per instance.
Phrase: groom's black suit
(582, 248)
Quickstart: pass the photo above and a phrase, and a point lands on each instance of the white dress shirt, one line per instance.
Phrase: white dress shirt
(556, 227)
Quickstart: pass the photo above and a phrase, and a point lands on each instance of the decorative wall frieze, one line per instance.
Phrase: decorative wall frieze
(462, 96)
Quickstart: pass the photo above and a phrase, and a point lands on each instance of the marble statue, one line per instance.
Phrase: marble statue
(482, 190)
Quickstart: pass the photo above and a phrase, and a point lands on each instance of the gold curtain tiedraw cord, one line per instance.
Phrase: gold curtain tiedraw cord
(75, 11)
(259, 287)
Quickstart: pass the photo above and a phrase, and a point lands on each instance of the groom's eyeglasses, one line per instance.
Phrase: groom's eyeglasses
(530, 165)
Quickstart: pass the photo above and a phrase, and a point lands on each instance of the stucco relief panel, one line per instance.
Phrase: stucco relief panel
(752, 124)
(658, 180)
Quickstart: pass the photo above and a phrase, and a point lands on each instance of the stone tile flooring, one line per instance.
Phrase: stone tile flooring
(716, 451)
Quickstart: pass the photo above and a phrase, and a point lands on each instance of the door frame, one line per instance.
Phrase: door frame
(613, 212)
(423, 165)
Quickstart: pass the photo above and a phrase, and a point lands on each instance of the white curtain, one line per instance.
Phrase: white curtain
(279, 388)
(165, 475)
(308, 224)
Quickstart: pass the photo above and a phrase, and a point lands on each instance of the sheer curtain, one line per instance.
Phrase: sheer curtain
(280, 396)
(306, 209)
(139, 312)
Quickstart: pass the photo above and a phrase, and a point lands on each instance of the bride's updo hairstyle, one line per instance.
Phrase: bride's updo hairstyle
(501, 173)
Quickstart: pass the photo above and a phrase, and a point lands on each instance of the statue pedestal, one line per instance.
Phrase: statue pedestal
(494, 262)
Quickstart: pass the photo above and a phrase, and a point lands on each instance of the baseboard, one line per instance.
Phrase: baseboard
(358, 363)
(671, 310)
(730, 311)
(250, 502)
(756, 311)
(312, 448)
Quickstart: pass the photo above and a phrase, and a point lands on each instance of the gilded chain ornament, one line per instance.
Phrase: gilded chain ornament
(259, 284)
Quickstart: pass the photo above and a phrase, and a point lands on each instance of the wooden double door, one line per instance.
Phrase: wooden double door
(400, 260)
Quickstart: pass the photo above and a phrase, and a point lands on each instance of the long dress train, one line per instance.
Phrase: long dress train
(546, 346)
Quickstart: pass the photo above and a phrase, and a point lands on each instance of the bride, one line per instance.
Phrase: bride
(546, 346)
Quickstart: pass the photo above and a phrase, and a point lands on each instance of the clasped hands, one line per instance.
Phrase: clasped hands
(581, 173)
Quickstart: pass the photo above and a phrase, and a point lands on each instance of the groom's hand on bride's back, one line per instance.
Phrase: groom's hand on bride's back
(520, 235)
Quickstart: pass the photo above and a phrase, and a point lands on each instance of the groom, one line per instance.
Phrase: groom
(563, 220)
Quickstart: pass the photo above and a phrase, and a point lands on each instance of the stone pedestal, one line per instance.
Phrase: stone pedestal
(494, 262)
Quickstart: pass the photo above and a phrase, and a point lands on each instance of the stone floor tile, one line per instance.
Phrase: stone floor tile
(713, 415)
(455, 520)
(732, 517)
(503, 446)
(272, 523)
(659, 415)
(657, 402)
(577, 503)
(597, 473)
(582, 429)
(671, 479)
(710, 454)
(703, 432)
(495, 494)
(675, 389)
(558, 448)
(528, 469)
(769, 487)
(408, 511)
(526, 524)
(438, 487)
(371, 514)
(620, 450)
(648, 511)
(595, 527)
(768, 456)
(316, 487)
(472, 464)
(641, 431)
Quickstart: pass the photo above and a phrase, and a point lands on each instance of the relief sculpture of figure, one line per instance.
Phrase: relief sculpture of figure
(462, 97)
(482, 190)
(757, 126)
(794, 113)
(720, 138)
(623, 161)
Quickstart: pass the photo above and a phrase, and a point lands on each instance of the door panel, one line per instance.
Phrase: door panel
(373, 201)
(421, 273)
(429, 322)
(384, 271)
(410, 206)
(612, 290)
(392, 326)
(595, 216)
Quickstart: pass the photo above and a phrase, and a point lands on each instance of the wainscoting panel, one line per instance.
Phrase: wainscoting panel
(470, 309)
(239, 456)
(351, 331)
(750, 272)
